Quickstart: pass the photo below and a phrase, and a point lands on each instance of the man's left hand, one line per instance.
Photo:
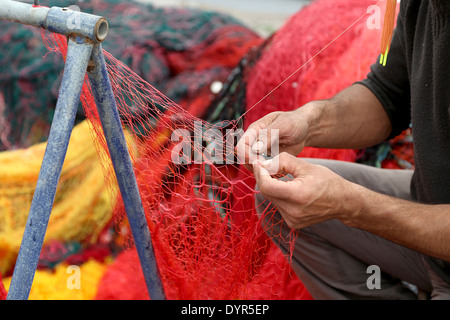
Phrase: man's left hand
(311, 193)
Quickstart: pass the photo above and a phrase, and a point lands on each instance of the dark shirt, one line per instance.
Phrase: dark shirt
(414, 88)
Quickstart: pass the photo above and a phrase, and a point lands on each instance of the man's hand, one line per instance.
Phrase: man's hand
(287, 131)
(353, 119)
(311, 194)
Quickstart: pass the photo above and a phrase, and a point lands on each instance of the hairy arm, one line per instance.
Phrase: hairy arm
(316, 194)
(352, 119)
(424, 228)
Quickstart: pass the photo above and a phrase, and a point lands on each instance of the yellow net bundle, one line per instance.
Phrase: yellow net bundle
(82, 207)
(62, 284)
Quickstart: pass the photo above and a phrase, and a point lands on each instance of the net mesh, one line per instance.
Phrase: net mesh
(3, 292)
(207, 245)
(81, 171)
(180, 51)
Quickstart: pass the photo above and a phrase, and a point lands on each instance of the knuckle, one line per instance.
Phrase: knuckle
(284, 156)
(289, 223)
(284, 159)
(263, 188)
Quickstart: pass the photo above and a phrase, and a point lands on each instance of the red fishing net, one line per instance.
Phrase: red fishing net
(3, 292)
(199, 202)
(207, 245)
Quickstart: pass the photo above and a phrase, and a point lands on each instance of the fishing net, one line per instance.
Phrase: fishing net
(198, 201)
(180, 51)
(207, 247)
(73, 206)
(3, 292)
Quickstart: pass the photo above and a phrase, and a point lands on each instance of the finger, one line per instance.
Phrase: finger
(269, 186)
(287, 218)
(267, 142)
(287, 164)
(274, 133)
(250, 148)
(299, 220)
(243, 147)
(280, 129)
(263, 133)
(268, 137)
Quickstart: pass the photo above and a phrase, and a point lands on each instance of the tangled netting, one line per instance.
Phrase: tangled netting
(2, 289)
(207, 247)
(208, 239)
(180, 51)
(82, 171)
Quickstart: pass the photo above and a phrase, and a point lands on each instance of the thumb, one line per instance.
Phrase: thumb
(268, 138)
(269, 186)
(285, 163)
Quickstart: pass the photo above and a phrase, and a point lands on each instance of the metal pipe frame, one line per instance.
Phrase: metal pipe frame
(56, 19)
(77, 60)
(120, 157)
(84, 49)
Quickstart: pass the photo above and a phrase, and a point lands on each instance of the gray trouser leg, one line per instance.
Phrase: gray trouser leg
(332, 259)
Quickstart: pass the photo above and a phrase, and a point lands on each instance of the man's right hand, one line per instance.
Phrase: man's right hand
(277, 131)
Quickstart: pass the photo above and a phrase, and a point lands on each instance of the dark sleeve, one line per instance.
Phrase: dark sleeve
(390, 83)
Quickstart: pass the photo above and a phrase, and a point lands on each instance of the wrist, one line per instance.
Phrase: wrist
(353, 204)
(365, 209)
(313, 115)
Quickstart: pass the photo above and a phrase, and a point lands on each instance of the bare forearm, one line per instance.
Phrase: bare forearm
(352, 119)
(315, 194)
(424, 228)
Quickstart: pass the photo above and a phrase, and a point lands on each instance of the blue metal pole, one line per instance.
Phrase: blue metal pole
(78, 54)
(115, 138)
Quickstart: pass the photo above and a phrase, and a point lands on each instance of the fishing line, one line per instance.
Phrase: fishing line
(308, 61)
